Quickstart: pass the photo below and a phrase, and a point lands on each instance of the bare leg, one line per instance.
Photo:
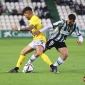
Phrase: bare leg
(64, 55)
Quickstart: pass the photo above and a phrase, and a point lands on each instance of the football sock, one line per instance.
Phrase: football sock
(33, 58)
(16, 68)
(59, 62)
(52, 66)
(46, 59)
(20, 61)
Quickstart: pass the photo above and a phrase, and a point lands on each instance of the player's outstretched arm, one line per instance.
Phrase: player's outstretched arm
(29, 28)
(42, 30)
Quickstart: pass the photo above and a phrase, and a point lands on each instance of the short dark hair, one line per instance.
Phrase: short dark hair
(27, 9)
(72, 17)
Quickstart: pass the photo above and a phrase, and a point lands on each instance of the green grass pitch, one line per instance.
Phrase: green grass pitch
(71, 72)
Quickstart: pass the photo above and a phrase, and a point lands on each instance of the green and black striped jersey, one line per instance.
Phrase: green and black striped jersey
(64, 30)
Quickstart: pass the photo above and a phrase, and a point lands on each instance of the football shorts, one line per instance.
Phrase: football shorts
(52, 43)
(37, 42)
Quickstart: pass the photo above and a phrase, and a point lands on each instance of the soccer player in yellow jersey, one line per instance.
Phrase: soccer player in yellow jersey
(38, 42)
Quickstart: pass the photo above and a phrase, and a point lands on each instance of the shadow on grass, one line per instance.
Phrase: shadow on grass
(75, 71)
(22, 72)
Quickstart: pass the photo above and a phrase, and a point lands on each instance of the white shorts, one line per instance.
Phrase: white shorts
(37, 42)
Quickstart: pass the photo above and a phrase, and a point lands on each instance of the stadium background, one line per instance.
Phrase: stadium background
(72, 72)
(49, 11)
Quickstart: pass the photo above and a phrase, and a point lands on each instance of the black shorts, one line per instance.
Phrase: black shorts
(51, 43)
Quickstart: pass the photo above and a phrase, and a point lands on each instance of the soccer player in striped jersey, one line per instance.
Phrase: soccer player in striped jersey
(59, 35)
(38, 43)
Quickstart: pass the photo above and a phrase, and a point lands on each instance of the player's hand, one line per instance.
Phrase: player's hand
(15, 28)
(79, 42)
(37, 32)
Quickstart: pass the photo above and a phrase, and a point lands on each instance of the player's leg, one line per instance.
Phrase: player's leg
(62, 58)
(48, 61)
(33, 57)
(40, 47)
(49, 45)
(64, 54)
(39, 51)
(43, 56)
(25, 51)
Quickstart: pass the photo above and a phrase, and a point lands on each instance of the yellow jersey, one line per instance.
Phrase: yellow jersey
(36, 21)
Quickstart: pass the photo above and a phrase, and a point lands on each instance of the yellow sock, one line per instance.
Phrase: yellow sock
(20, 60)
(46, 59)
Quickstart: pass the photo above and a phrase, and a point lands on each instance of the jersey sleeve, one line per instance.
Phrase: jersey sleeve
(59, 23)
(77, 30)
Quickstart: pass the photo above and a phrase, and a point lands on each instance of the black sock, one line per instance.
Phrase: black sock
(16, 68)
(52, 66)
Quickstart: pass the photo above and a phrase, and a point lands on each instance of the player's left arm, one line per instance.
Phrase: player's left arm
(80, 37)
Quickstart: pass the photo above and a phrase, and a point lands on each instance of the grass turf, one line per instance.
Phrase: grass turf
(71, 72)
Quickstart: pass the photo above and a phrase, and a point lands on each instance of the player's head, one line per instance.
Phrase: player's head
(71, 19)
(27, 12)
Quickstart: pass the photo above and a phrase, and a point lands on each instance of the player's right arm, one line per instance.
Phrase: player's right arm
(29, 28)
(56, 24)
